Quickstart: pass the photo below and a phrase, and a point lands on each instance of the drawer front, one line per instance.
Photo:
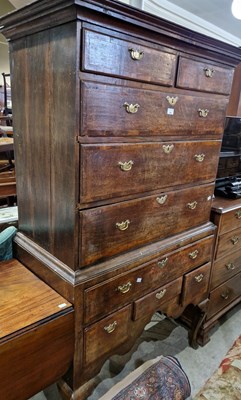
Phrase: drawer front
(113, 170)
(109, 55)
(138, 112)
(106, 335)
(229, 242)
(230, 221)
(226, 267)
(224, 295)
(195, 285)
(109, 230)
(154, 301)
(110, 295)
(203, 75)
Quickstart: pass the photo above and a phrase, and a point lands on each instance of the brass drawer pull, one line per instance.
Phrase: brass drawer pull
(122, 226)
(208, 72)
(125, 288)
(238, 214)
(162, 263)
(167, 148)
(131, 108)
(172, 100)
(193, 254)
(225, 295)
(192, 205)
(230, 266)
(162, 199)
(160, 294)
(136, 55)
(234, 240)
(199, 278)
(203, 112)
(199, 157)
(126, 166)
(110, 328)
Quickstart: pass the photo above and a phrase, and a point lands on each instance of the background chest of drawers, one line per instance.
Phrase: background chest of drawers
(225, 287)
(119, 116)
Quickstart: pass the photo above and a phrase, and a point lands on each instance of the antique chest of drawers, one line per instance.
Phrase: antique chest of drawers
(120, 137)
(225, 285)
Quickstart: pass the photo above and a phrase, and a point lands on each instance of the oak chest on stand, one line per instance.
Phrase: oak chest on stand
(118, 117)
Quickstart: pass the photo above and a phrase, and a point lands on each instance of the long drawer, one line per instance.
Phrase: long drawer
(113, 170)
(129, 57)
(228, 242)
(226, 267)
(109, 230)
(114, 293)
(204, 75)
(125, 111)
(223, 295)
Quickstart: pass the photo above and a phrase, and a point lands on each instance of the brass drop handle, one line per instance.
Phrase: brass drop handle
(110, 328)
(238, 214)
(225, 295)
(126, 166)
(125, 288)
(122, 226)
(162, 263)
(160, 294)
(199, 157)
(136, 55)
(199, 278)
(162, 199)
(193, 254)
(167, 148)
(209, 72)
(203, 112)
(234, 240)
(131, 108)
(192, 205)
(230, 266)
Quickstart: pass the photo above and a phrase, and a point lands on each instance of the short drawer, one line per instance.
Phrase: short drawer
(195, 285)
(106, 335)
(228, 242)
(223, 295)
(230, 220)
(226, 267)
(109, 230)
(152, 302)
(114, 293)
(203, 75)
(140, 112)
(130, 58)
(113, 170)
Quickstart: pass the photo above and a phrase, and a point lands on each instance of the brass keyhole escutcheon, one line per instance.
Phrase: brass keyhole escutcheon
(209, 72)
(172, 100)
(162, 199)
(167, 148)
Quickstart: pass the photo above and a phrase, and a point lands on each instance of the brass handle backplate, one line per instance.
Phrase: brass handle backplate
(172, 100)
(126, 166)
(162, 263)
(167, 148)
(225, 295)
(162, 199)
(110, 328)
(199, 157)
(131, 108)
(122, 226)
(238, 214)
(234, 240)
(199, 278)
(136, 55)
(193, 254)
(209, 72)
(192, 205)
(203, 112)
(125, 288)
(160, 294)
(230, 266)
